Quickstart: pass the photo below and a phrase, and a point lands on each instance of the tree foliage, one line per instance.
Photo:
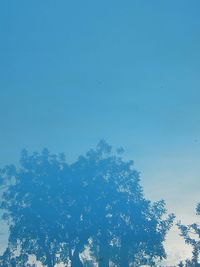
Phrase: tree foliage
(56, 211)
(191, 235)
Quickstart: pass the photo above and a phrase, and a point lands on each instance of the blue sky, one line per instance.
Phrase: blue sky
(74, 72)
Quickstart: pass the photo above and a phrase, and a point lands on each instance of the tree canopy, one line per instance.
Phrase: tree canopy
(59, 212)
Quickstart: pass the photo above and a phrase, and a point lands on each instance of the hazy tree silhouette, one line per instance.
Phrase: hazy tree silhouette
(56, 210)
(191, 235)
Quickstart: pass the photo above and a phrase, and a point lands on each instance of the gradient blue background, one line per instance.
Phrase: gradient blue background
(74, 72)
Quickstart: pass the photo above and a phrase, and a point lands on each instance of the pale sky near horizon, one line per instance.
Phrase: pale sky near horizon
(74, 72)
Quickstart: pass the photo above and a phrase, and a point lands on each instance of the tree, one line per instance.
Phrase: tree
(33, 207)
(125, 227)
(56, 210)
(191, 235)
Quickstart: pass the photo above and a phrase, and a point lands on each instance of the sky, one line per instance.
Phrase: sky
(74, 72)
